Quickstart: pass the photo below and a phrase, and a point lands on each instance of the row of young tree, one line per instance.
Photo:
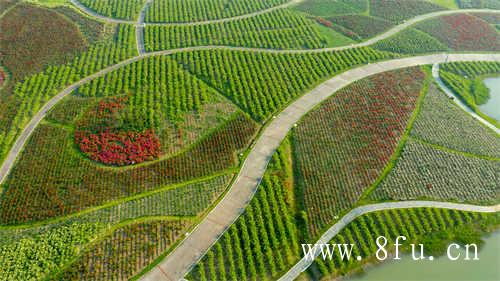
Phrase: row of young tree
(280, 29)
(182, 11)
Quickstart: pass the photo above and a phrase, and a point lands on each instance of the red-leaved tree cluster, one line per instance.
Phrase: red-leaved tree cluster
(112, 146)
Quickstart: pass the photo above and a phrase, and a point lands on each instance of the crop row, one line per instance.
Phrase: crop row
(359, 27)
(35, 258)
(187, 200)
(245, 77)
(471, 69)
(343, 146)
(466, 82)
(463, 32)
(34, 91)
(263, 242)
(426, 172)
(327, 8)
(126, 251)
(199, 10)
(411, 41)
(441, 122)
(432, 227)
(397, 11)
(280, 29)
(161, 96)
(50, 179)
(120, 9)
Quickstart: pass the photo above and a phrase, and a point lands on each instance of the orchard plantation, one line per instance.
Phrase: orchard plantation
(209, 139)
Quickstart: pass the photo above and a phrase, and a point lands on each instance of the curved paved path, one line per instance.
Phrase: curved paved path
(457, 100)
(194, 246)
(93, 13)
(304, 263)
(139, 28)
(228, 210)
(391, 31)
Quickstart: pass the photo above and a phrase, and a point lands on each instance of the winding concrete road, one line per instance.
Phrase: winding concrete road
(93, 13)
(458, 101)
(139, 28)
(194, 246)
(304, 263)
(391, 31)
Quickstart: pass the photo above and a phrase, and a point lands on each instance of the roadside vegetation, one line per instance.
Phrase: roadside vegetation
(435, 228)
(183, 11)
(466, 80)
(120, 9)
(279, 29)
(128, 163)
(263, 242)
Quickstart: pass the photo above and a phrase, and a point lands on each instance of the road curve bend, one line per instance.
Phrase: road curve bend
(456, 99)
(208, 231)
(304, 263)
(391, 31)
(92, 13)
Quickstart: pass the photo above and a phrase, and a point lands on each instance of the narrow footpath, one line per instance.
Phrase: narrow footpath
(210, 229)
(304, 263)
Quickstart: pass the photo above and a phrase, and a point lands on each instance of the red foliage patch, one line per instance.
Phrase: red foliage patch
(463, 32)
(100, 142)
(122, 148)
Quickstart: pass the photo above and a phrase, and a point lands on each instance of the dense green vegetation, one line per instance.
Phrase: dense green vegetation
(263, 242)
(433, 227)
(37, 257)
(121, 9)
(124, 166)
(442, 123)
(160, 96)
(460, 32)
(342, 147)
(465, 79)
(199, 10)
(265, 82)
(411, 41)
(279, 29)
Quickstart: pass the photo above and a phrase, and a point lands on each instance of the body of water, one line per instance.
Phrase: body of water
(492, 106)
(487, 268)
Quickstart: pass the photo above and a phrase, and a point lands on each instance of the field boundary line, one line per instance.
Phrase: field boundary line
(189, 251)
(458, 101)
(305, 262)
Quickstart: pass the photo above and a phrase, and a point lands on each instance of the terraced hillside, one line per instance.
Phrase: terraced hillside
(163, 139)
